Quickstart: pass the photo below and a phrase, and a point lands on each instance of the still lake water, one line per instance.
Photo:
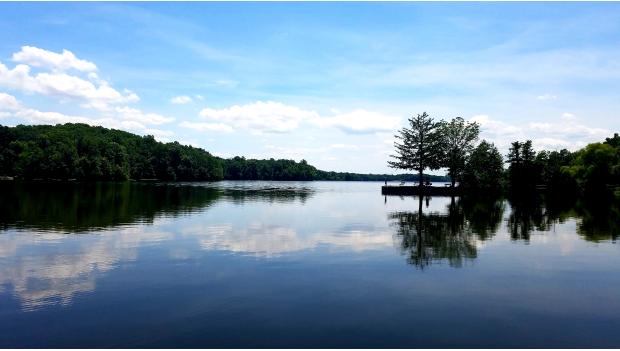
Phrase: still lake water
(301, 264)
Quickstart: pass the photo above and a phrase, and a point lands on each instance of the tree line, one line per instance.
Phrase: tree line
(83, 152)
(453, 145)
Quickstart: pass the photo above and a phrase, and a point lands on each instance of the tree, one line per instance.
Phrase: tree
(459, 138)
(419, 146)
(593, 166)
(484, 168)
(522, 172)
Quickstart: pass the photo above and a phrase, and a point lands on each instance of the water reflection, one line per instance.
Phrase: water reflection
(41, 265)
(598, 218)
(81, 207)
(46, 269)
(262, 240)
(451, 235)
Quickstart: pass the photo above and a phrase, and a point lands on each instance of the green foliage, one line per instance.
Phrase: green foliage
(419, 146)
(595, 166)
(550, 165)
(238, 168)
(79, 151)
(523, 173)
(458, 139)
(484, 168)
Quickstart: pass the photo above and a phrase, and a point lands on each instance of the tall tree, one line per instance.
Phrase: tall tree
(419, 146)
(459, 138)
(484, 168)
(524, 170)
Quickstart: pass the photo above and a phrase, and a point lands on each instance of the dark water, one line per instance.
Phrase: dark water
(317, 264)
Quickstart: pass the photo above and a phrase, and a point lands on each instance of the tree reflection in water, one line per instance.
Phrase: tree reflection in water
(77, 207)
(598, 217)
(451, 236)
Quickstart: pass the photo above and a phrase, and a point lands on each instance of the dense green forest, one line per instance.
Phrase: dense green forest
(83, 152)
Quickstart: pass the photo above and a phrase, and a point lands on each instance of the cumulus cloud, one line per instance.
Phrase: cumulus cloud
(85, 87)
(565, 132)
(181, 100)
(37, 57)
(91, 94)
(259, 117)
(495, 127)
(8, 102)
(134, 114)
(89, 89)
(206, 127)
(360, 121)
(275, 117)
(125, 118)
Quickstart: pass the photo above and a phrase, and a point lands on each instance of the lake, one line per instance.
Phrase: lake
(302, 264)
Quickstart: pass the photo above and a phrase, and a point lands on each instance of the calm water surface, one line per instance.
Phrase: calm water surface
(308, 264)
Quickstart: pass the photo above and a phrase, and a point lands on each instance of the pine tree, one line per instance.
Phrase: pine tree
(419, 146)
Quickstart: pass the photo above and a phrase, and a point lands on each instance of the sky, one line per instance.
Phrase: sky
(330, 83)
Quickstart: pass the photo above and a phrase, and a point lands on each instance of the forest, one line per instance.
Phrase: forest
(83, 152)
(479, 166)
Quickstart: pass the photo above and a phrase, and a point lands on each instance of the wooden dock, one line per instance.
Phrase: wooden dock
(415, 190)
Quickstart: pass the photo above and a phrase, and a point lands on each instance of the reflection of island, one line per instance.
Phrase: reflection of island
(597, 218)
(80, 207)
(40, 275)
(450, 236)
(271, 195)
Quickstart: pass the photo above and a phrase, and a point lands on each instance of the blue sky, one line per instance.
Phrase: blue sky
(327, 82)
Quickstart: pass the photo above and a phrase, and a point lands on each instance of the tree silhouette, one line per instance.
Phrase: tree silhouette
(458, 138)
(418, 147)
(484, 168)
(432, 237)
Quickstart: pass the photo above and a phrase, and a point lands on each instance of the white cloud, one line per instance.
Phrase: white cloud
(181, 100)
(564, 132)
(360, 121)
(92, 94)
(132, 114)
(36, 57)
(495, 127)
(275, 117)
(124, 118)
(207, 127)
(569, 116)
(8, 102)
(344, 146)
(546, 97)
(51, 79)
(90, 91)
(551, 143)
(259, 117)
(46, 117)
